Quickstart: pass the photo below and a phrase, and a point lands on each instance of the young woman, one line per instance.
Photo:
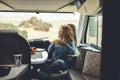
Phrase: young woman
(60, 49)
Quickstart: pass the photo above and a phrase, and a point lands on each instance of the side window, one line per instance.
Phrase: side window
(94, 31)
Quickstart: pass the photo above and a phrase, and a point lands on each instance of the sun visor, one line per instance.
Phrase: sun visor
(90, 7)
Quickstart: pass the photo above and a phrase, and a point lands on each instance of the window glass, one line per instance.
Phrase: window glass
(37, 25)
(94, 31)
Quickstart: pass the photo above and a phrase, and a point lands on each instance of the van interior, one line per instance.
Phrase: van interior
(32, 25)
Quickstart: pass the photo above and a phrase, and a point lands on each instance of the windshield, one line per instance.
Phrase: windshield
(37, 25)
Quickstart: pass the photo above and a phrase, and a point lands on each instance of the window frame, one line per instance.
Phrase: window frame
(96, 46)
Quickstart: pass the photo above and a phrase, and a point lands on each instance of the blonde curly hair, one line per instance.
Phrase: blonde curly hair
(68, 33)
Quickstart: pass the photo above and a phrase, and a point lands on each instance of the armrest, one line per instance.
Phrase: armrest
(73, 57)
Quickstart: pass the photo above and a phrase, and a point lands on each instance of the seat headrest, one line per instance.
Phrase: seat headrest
(8, 31)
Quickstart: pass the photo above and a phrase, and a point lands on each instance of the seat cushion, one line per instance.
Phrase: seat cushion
(80, 60)
(75, 75)
(92, 64)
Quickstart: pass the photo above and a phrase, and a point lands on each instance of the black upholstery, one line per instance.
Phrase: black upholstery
(40, 44)
(13, 44)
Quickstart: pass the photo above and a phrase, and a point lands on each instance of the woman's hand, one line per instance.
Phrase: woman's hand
(57, 42)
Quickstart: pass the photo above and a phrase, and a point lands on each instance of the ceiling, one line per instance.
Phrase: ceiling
(89, 7)
(38, 5)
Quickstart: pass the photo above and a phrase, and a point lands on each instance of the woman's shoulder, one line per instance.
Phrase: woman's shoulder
(71, 42)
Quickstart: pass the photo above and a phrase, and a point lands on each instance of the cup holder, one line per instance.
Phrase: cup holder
(4, 70)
